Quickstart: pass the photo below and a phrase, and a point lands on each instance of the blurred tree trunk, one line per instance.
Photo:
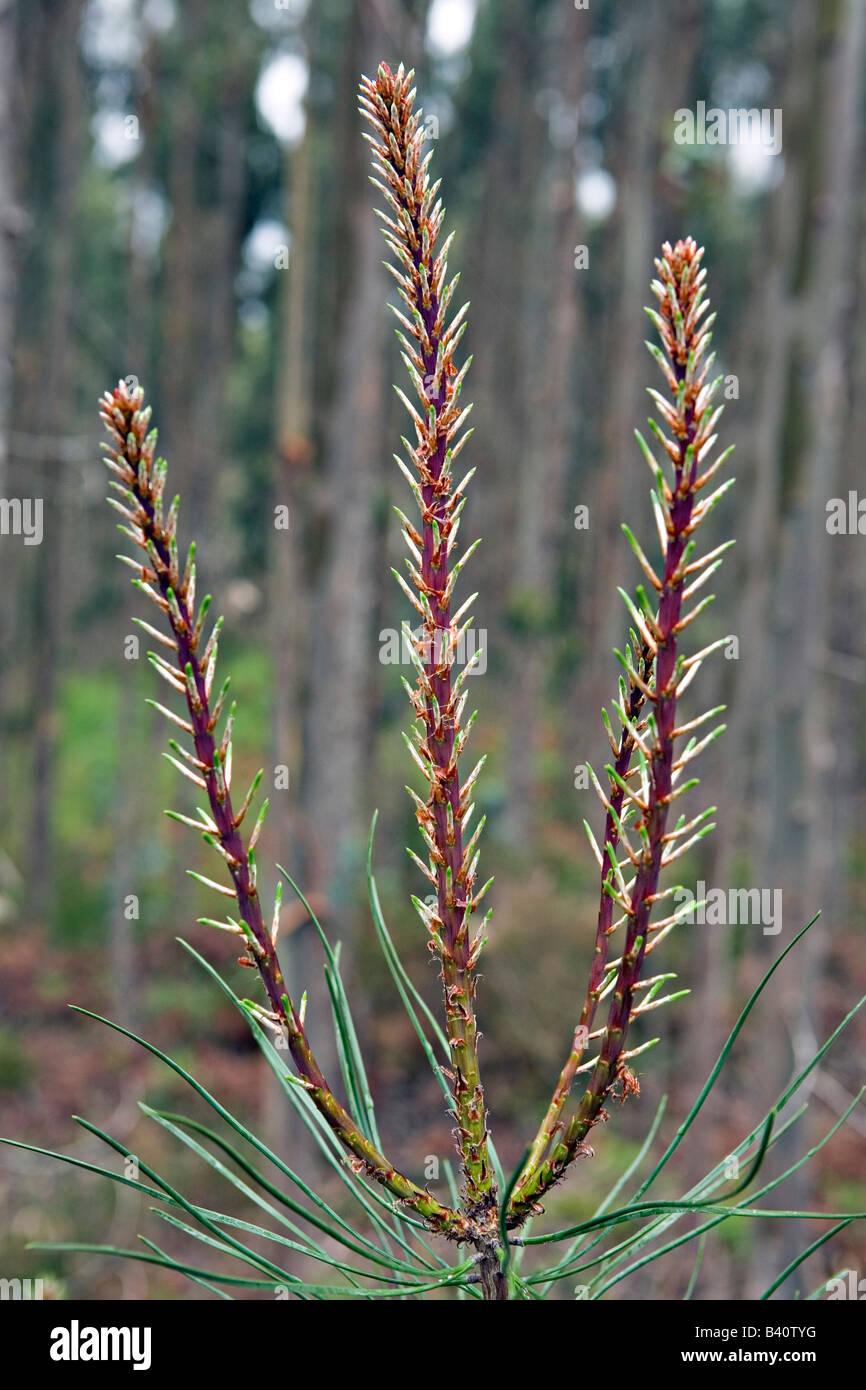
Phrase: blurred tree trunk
(47, 592)
(828, 328)
(291, 488)
(646, 104)
(221, 230)
(207, 182)
(542, 464)
(180, 364)
(338, 753)
(845, 657)
(12, 220)
(138, 358)
(500, 155)
(206, 68)
(808, 821)
(287, 595)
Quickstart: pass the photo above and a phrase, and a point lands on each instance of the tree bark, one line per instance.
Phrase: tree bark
(543, 461)
(47, 589)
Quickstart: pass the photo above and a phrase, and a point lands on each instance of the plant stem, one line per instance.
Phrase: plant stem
(397, 144)
(142, 482)
(690, 418)
(604, 927)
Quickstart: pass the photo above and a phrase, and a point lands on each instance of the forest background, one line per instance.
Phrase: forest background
(184, 199)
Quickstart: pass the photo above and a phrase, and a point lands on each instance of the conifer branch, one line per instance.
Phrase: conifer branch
(428, 349)
(131, 458)
(656, 675)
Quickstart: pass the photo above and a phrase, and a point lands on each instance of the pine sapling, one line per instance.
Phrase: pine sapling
(651, 753)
